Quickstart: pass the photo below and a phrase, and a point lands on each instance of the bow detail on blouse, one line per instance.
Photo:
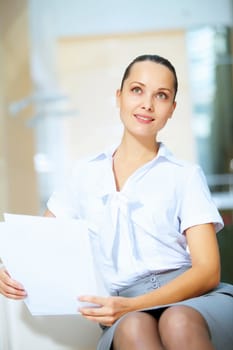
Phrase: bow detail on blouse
(118, 229)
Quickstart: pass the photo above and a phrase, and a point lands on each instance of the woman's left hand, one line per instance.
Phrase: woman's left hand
(109, 309)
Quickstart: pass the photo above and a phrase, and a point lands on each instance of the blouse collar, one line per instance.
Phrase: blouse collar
(163, 153)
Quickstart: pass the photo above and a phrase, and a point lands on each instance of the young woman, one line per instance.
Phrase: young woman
(153, 226)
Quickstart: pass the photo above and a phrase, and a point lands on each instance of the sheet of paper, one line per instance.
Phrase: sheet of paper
(53, 260)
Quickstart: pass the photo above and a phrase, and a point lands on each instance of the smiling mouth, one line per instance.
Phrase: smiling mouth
(143, 118)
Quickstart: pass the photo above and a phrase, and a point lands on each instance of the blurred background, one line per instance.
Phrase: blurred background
(61, 63)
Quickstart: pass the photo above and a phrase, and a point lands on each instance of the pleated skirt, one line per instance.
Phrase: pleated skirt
(215, 306)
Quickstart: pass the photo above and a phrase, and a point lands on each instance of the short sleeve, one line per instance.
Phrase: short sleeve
(197, 206)
(63, 202)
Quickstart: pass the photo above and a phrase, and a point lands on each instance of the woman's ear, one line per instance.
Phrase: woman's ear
(173, 108)
(118, 95)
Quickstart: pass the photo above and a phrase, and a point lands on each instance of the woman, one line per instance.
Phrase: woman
(153, 227)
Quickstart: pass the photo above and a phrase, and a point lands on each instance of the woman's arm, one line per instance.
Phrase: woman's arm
(203, 276)
(199, 279)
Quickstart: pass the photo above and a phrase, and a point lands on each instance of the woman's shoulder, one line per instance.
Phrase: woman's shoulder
(179, 164)
(91, 164)
(90, 159)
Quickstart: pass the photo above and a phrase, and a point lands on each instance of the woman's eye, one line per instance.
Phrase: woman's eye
(161, 95)
(136, 90)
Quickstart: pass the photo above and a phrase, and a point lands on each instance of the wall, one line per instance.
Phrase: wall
(92, 17)
(18, 189)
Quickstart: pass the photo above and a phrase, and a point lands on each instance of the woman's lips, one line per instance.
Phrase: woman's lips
(143, 118)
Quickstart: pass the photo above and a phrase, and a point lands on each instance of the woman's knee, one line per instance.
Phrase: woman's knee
(134, 327)
(182, 322)
(135, 322)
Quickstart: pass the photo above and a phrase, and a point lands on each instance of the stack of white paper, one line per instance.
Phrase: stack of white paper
(52, 258)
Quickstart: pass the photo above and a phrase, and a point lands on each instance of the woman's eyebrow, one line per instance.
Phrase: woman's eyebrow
(158, 89)
(163, 88)
(137, 82)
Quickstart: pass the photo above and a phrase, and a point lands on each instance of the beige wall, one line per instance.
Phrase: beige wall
(18, 188)
(3, 178)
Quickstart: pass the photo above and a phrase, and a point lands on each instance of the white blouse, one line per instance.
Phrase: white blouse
(141, 228)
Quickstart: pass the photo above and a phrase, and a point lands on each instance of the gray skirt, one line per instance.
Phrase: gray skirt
(215, 306)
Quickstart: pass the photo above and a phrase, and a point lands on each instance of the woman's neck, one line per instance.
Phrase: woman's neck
(130, 156)
(132, 148)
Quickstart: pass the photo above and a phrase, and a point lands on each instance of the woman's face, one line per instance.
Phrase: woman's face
(146, 100)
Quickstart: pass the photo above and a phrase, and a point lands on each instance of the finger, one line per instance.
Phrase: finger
(98, 311)
(15, 285)
(14, 296)
(6, 279)
(92, 311)
(11, 288)
(92, 299)
(105, 321)
(11, 291)
(96, 304)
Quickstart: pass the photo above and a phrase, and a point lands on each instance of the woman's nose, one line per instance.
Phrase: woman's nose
(148, 104)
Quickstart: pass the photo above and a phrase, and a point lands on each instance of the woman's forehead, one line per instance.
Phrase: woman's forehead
(147, 71)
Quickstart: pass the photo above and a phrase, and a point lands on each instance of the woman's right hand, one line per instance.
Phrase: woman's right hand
(9, 287)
